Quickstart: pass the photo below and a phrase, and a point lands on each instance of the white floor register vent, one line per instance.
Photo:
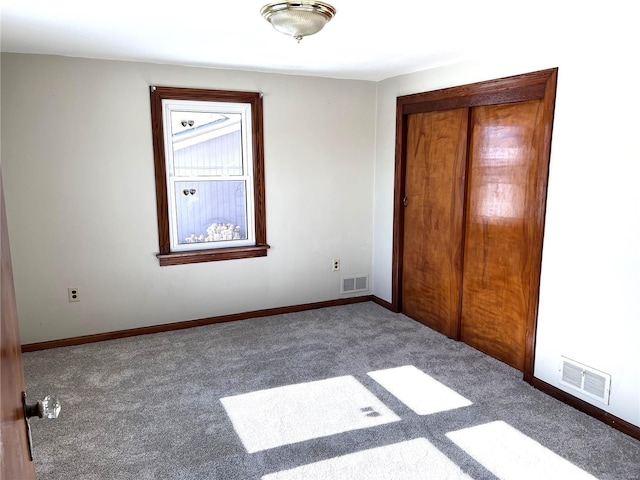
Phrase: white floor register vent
(587, 380)
(358, 283)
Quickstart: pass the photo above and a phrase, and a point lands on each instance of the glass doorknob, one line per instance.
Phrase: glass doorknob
(48, 407)
(51, 407)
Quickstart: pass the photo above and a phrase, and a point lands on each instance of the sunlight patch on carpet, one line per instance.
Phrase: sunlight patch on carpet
(294, 413)
(419, 391)
(511, 455)
(411, 460)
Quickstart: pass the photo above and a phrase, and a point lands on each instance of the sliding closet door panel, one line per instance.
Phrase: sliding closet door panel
(433, 218)
(501, 233)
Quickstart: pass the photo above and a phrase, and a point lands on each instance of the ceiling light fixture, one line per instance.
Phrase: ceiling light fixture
(298, 19)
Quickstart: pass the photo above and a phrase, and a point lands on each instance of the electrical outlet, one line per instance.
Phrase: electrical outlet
(336, 264)
(74, 294)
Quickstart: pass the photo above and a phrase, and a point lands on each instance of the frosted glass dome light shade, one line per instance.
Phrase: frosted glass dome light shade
(298, 19)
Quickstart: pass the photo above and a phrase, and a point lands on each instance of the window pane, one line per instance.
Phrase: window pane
(211, 211)
(206, 144)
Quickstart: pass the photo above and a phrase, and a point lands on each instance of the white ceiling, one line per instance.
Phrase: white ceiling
(364, 41)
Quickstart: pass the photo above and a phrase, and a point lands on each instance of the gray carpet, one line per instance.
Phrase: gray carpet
(149, 407)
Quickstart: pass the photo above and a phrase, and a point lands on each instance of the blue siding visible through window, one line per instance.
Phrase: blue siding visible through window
(217, 156)
(203, 203)
(215, 204)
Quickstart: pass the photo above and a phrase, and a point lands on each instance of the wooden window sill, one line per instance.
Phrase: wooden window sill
(212, 255)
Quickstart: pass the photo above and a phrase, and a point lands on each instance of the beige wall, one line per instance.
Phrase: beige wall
(79, 180)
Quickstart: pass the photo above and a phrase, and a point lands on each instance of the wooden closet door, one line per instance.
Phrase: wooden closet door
(433, 218)
(503, 228)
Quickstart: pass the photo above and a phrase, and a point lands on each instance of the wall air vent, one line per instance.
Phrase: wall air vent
(588, 380)
(356, 283)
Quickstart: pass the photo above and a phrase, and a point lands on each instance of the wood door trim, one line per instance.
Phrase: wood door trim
(398, 207)
(549, 101)
(519, 88)
(540, 85)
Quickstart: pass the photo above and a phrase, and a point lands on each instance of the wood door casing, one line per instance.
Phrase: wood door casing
(539, 85)
(434, 221)
(501, 228)
(14, 448)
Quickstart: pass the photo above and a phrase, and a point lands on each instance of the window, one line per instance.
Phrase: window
(209, 171)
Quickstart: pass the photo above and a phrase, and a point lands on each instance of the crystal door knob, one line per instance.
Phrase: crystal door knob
(51, 407)
(48, 407)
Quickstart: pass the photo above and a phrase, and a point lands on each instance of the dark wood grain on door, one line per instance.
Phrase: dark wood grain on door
(512, 91)
(14, 448)
(502, 237)
(434, 221)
